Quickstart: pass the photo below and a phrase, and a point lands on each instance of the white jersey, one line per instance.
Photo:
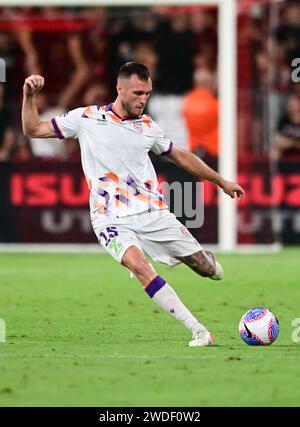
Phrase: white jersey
(115, 160)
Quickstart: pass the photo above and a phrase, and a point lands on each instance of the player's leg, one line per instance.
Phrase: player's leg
(203, 263)
(166, 240)
(136, 262)
(163, 294)
(122, 243)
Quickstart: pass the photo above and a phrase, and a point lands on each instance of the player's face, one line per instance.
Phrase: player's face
(134, 94)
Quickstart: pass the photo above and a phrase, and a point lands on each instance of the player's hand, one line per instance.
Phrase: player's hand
(33, 85)
(233, 189)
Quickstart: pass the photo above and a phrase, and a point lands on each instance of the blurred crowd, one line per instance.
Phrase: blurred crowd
(79, 51)
(268, 98)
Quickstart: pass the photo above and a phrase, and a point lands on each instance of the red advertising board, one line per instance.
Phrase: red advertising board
(48, 202)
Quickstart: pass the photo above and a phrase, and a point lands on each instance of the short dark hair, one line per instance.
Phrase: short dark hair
(130, 68)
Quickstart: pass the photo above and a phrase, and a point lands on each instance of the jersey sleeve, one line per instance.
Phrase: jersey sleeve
(161, 145)
(67, 125)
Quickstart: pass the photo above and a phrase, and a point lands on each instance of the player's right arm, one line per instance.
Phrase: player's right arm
(32, 126)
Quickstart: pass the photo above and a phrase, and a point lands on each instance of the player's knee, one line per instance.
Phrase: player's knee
(208, 268)
(219, 274)
(139, 265)
(142, 270)
(214, 268)
(208, 271)
(136, 266)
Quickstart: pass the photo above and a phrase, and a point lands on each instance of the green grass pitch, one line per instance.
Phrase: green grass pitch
(80, 332)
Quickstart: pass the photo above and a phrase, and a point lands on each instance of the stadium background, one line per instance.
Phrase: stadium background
(79, 50)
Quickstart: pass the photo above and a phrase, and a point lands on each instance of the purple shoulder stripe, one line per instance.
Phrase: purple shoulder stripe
(57, 130)
(166, 153)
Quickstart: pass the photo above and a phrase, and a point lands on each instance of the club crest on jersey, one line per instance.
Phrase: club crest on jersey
(138, 126)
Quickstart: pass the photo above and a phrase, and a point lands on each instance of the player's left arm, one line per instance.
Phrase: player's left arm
(197, 167)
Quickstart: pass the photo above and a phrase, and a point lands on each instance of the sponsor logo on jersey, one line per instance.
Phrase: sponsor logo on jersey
(115, 246)
(102, 121)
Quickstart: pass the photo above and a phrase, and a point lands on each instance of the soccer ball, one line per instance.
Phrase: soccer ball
(259, 326)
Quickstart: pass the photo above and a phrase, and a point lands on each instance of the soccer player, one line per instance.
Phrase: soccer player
(128, 214)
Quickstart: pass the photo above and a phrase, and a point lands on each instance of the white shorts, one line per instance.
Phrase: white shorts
(158, 233)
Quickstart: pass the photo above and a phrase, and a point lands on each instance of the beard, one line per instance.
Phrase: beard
(130, 110)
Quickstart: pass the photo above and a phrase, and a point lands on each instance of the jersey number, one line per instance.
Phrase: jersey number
(111, 233)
